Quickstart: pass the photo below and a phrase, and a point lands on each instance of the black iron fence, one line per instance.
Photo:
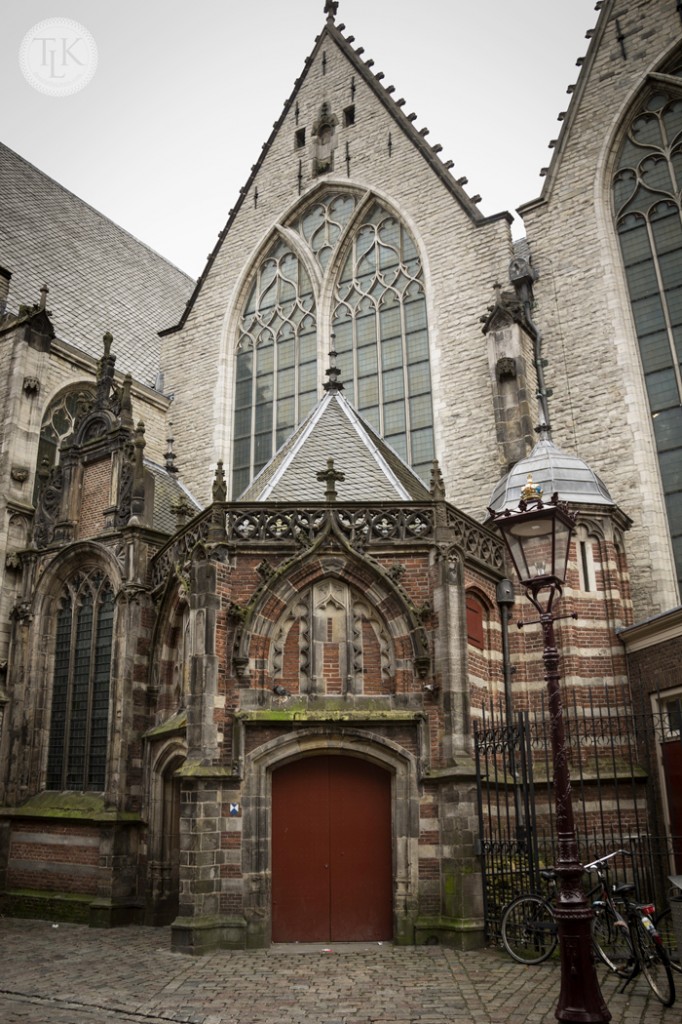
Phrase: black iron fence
(618, 784)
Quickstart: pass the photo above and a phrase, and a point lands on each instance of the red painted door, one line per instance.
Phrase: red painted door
(672, 768)
(331, 851)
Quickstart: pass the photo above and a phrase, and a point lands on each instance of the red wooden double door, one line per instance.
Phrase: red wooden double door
(331, 851)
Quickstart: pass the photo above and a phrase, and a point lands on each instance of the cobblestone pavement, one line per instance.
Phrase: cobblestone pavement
(71, 974)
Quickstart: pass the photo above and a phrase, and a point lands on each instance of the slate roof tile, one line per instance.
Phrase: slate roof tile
(100, 278)
(373, 470)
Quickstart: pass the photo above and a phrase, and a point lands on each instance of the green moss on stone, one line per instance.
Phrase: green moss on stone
(75, 806)
(304, 714)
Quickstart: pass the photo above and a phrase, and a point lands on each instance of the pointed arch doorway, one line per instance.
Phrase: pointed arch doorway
(332, 876)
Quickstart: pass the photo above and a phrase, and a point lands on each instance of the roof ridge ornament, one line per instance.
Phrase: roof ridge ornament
(219, 489)
(331, 8)
(531, 491)
(437, 487)
(330, 476)
(333, 384)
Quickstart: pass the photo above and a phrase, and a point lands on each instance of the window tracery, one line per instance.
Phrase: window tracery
(377, 311)
(380, 324)
(647, 187)
(59, 421)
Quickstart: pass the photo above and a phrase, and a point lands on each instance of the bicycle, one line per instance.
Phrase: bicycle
(630, 944)
(528, 926)
(627, 947)
(664, 925)
(610, 932)
(529, 929)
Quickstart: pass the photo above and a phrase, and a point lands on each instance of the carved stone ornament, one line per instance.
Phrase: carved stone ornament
(12, 561)
(31, 386)
(506, 368)
(19, 473)
(324, 134)
(22, 612)
(48, 507)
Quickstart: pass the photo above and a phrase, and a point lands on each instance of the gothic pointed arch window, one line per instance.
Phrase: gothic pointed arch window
(344, 266)
(59, 421)
(381, 336)
(79, 723)
(276, 364)
(647, 190)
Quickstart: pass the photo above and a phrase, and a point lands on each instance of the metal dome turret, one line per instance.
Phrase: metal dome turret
(556, 472)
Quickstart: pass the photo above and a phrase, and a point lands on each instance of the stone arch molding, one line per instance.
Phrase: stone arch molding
(83, 556)
(375, 607)
(167, 669)
(329, 740)
(326, 618)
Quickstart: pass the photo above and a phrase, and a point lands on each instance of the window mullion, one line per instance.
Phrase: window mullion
(664, 307)
(406, 386)
(69, 689)
(380, 371)
(254, 392)
(92, 668)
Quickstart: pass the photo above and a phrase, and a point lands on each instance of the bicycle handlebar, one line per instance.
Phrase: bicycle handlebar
(602, 860)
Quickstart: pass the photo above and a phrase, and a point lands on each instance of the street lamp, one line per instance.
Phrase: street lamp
(538, 537)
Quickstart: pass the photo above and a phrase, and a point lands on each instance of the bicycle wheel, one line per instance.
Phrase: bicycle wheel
(664, 927)
(529, 932)
(655, 964)
(611, 942)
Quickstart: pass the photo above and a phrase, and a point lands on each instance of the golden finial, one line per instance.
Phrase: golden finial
(531, 492)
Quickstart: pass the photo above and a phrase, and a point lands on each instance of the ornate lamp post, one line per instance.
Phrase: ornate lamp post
(538, 537)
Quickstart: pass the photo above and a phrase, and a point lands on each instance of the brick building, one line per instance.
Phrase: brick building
(240, 698)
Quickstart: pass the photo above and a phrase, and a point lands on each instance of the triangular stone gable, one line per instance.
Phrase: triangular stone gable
(378, 155)
(334, 73)
(333, 429)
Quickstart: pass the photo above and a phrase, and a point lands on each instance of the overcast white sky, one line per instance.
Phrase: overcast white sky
(185, 94)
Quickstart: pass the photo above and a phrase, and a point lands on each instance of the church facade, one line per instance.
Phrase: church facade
(249, 615)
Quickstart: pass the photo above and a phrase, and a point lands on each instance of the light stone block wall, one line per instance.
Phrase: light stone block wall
(599, 408)
(463, 255)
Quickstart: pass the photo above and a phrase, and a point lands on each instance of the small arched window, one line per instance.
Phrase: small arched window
(77, 752)
(475, 622)
(586, 562)
(59, 420)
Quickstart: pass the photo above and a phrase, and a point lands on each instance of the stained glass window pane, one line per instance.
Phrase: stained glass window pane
(79, 722)
(99, 715)
(60, 691)
(662, 390)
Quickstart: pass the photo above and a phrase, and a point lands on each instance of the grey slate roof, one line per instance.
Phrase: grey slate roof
(555, 471)
(373, 471)
(100, 277)
(168, 491)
